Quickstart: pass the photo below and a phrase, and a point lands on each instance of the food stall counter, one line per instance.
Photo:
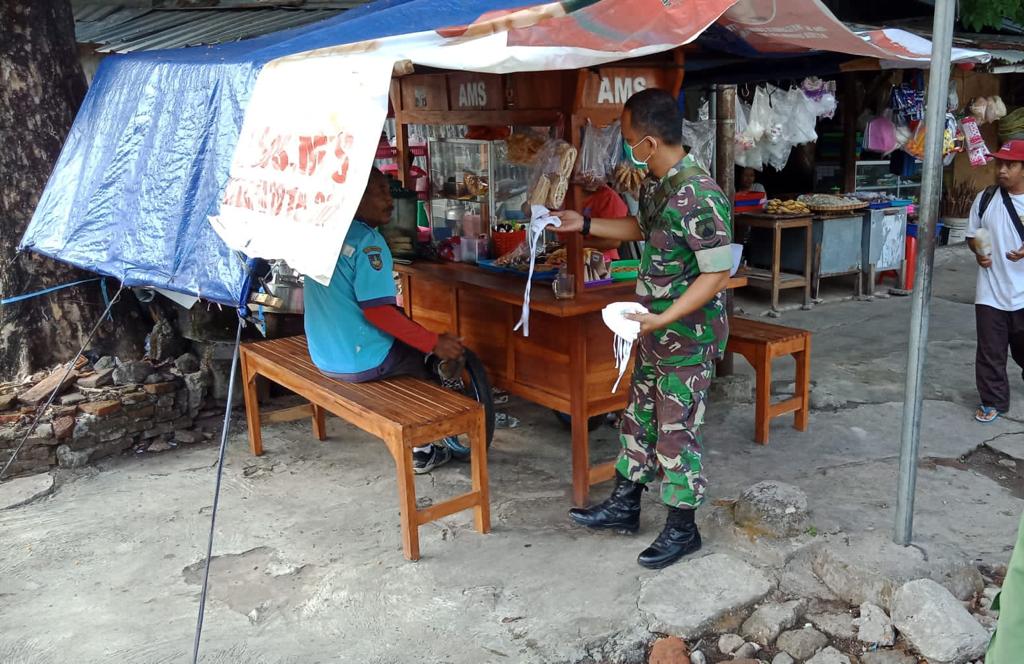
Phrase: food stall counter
(566, 363)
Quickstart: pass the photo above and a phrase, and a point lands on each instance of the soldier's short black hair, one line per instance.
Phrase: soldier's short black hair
(655, 112)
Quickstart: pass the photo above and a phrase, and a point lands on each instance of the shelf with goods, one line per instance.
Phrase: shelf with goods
(472, 180)
(876, 176)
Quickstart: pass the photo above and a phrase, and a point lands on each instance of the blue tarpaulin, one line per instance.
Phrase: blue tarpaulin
(151, 147)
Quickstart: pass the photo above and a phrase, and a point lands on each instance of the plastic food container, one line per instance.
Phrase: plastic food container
(624, 270)
(473, 248)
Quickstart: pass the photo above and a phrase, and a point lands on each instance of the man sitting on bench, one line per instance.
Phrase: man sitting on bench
(355, 331)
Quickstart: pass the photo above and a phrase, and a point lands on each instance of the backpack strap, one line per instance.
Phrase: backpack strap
(986, 198)
(1012, 211)
(670, 186)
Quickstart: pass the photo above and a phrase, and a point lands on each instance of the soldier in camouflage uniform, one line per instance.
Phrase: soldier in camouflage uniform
(686, 222)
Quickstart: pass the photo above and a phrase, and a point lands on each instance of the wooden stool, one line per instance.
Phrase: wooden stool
(760, 343)
(403, 412)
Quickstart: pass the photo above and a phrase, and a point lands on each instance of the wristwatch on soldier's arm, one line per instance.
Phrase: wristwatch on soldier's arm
(585, 231)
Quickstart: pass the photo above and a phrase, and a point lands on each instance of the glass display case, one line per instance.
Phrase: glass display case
(875, 176)
(473, 187)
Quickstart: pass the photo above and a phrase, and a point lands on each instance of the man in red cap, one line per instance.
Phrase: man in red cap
(996, 235)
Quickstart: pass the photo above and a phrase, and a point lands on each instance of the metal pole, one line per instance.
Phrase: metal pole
(725, 173)
(931, 189)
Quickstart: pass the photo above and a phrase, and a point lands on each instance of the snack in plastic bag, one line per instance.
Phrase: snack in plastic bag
(595, 146)
(524, 146)
(550, 174)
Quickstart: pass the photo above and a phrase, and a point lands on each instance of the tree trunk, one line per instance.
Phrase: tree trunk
(41, 88)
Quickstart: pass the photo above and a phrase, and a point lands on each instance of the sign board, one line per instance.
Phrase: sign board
(611, 87)
(303, 158)
(426, 92)
(476, 92)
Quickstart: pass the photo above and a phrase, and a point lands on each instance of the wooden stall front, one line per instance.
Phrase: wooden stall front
(567, 362)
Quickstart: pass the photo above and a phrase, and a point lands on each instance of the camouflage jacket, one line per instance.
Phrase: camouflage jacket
(686, 220)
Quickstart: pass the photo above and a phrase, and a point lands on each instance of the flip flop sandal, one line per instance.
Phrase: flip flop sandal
(986, 414)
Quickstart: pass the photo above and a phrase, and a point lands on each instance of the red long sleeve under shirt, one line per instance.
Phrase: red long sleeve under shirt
(389, 318)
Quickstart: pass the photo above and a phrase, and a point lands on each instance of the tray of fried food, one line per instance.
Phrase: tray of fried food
(830, 203)
(786, 208)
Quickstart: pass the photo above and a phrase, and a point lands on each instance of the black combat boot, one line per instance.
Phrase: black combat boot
(621, 512)
(679, 538)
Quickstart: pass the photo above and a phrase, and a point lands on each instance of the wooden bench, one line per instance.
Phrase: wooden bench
(760, 343)
(404, 412)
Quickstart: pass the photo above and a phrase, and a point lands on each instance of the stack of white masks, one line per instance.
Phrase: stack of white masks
(540, 219)
(626, 331)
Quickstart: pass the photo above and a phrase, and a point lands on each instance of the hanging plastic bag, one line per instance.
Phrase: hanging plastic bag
(995, 109)
(821, 96)
(592, 164)
(744, 141)
(699, 136)
(550, 173)
(760, 114)
(801, 118)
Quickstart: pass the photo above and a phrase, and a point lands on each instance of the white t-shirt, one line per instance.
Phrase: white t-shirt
(1002, 285)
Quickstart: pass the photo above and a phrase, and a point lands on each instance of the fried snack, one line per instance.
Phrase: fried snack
(556, 193)
(567, 159)
(540, 191)
(523, 147)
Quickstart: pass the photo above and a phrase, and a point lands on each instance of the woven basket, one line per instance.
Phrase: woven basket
(833, 209)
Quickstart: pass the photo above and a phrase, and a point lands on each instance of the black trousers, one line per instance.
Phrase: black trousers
(998, 331)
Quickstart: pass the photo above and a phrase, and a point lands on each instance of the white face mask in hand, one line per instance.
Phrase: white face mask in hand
(626, 331)
(540, 219)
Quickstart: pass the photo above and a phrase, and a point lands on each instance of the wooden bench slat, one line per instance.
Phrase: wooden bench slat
(404, 400)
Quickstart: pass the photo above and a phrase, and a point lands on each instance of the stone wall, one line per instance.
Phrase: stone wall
(105, 409)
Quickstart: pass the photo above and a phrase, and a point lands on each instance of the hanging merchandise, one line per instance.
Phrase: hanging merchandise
(549, 180)
(699, 135)
(821, 95)
(952, 139)
(592, 167)
(880, 135)
(626, 331)
(952, 99)
(907, 104)
(540, 219)
(760, 117)
(744, 141)
(976, 148)
(995, 109)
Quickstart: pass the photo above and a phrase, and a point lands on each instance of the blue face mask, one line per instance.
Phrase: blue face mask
(628, 149)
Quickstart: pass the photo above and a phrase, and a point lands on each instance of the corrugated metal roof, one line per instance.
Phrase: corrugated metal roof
(1007, 56)
(121, 29)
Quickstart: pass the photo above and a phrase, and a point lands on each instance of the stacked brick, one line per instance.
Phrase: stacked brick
(109, 408)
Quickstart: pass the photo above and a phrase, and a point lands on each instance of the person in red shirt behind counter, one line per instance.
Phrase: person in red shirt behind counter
(604, 203)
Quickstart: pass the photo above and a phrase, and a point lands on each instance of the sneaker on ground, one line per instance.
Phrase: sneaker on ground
(424, 462)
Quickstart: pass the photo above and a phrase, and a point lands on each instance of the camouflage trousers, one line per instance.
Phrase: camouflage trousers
(661, 430)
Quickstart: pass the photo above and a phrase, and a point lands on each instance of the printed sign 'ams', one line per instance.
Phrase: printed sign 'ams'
(617, 89)
(473, 94)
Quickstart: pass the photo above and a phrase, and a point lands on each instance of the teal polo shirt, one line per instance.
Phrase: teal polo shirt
(340, 338)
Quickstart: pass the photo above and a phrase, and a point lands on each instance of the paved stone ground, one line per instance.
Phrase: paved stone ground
(309, 566)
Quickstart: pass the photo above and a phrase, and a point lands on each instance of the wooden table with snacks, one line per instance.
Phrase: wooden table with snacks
(565, 364)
